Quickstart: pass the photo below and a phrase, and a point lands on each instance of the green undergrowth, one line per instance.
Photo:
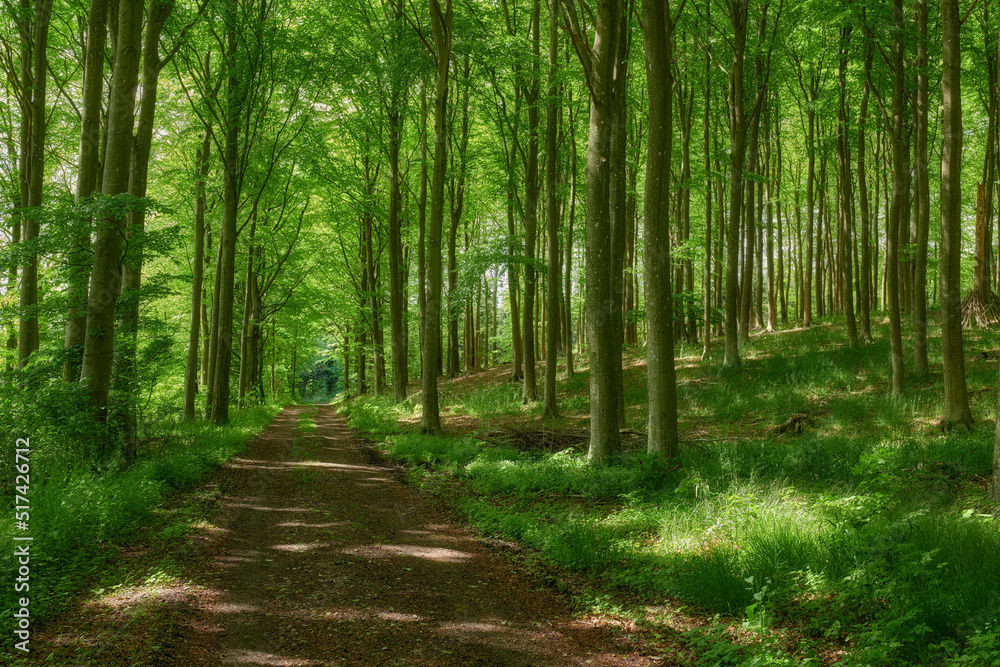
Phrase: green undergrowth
(864, 537)
(78, 512)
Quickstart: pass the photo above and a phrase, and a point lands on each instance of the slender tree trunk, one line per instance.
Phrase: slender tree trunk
(86, 184)
(550, 409)
(922, 202)
(900, 173)
(249, 284)
(866, 217)
(771, 188)
(598, 63)
(227, 244)
(956, 400)
(707, 336)
(531, 210)
(441, 22)
(396, 305)
(105, 278)
(737, 154)
(570, 217)
(198, 271)
(126, 372)
(846, 217)
(422, 231)
(618, 193)
(810, 209)
(28, 329)
(457, 210)
(662, 428)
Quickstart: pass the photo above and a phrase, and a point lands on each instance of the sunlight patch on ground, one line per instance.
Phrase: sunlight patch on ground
(324, 464)
(398, 617)
(468, 626)
(128, 599)
(300, 524)
(246, 657)
(429, 553)
(261, 508)
(231, 608)
(300, 547)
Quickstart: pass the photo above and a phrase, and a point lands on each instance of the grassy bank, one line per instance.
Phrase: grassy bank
(821, 519)
(78, 513)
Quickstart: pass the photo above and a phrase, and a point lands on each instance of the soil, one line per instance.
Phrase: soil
(318, 555)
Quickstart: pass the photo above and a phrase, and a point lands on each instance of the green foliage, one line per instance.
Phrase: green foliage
(861, 530)
(79, 510)
(373, 414)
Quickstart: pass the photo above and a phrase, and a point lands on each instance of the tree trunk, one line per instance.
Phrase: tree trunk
(922, 202)
(550, 408)
(198, 271)
(570, 217)
(105, 278)
(866, 217)
(28, 329)
(422, 231)
(707, 334)
(737, 154)
(227, 245)
(658, 36)
(531, 210)
(86, 184)
(598, 63)
(396, 304)
(810, 205)
(900, 174)
(846, 217)
(956, 400)
(441, 22)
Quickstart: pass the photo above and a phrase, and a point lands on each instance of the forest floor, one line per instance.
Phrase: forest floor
(308, 550)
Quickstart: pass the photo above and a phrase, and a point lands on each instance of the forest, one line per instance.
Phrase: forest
(693, 302)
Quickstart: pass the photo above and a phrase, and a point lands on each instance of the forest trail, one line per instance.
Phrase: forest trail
(319, 557)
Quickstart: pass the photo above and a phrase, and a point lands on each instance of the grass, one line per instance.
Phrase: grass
(78, 514)
(865, 539)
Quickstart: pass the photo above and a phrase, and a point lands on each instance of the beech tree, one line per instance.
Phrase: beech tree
(441, 23)
(956, 400)
(598, 66)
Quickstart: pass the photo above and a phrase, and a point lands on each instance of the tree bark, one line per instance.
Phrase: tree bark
(530, 217)
(866, 217)
(846, 217)
(570, 218)
(922, 202)
(86, 184)
(956, 400)
(598, 64)
(105, 278)
(662, 427)
(227, 244)
(550, 408)
(397, 336)
(28, 327)
(707, 335)
(198, 271)
(441, 23)
(737, 154)
(422, 229)
(900, 176)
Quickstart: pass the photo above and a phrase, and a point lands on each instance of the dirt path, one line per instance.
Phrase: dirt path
(319, 558)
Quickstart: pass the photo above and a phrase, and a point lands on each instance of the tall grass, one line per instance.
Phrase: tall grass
(77, 512)
(868, 529)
